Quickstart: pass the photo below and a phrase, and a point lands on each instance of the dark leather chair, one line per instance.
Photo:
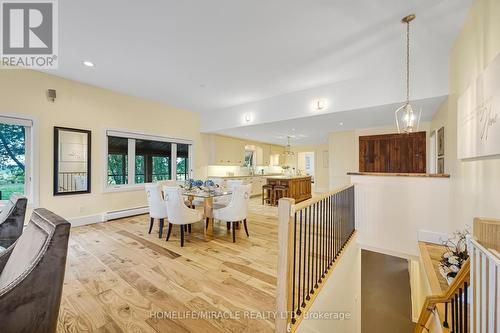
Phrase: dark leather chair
(12, 220)
(32, 275)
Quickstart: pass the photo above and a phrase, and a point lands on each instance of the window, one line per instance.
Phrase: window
(249, 162)
(152, 161)
(182, 162)
(138, 159)
(15, 150)
(117, 160)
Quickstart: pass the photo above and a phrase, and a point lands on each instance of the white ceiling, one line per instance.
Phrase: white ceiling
(210, 55)
(315, 129)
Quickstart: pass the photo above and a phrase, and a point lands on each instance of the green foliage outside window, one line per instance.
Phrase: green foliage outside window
(12, 162)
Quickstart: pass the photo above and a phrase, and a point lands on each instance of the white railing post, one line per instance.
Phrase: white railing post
(283, 277)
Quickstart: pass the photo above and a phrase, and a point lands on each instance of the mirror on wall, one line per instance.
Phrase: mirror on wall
(71, 161)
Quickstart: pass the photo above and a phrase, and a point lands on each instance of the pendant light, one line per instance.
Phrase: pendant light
(288, 148)
(407, 120)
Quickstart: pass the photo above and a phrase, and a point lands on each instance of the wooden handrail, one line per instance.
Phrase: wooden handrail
(433, 300)
(318, 198)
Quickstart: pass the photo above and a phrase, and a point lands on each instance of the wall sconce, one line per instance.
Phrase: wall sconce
(247, 117)
(320, 104)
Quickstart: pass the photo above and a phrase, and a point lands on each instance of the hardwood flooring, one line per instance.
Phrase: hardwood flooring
(119, 278)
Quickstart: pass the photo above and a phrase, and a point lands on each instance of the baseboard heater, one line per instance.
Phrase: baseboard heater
(118, 214)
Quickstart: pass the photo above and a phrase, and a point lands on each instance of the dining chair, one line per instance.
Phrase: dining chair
(230, 185)
(237, 209)
(178, 212)
(157, 207)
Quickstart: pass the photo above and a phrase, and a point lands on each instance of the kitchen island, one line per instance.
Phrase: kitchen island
(299, 187)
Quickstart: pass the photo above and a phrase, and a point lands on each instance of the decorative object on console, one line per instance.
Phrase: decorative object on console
(407, 120)
(440, 166)
(455, 256)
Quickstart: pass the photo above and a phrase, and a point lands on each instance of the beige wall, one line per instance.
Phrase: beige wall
(344, 151)
(320, 171)
(23, 92)
(475, 184)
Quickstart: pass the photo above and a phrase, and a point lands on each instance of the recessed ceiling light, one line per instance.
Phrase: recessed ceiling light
(341, 124)
(88, 63)
(293, 129)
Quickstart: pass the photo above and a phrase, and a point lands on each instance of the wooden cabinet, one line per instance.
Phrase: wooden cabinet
(395, 153)
(276, 157)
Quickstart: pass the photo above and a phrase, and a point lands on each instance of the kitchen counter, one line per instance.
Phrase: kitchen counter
(246, 176)
(299, 187)
(432, 175)
(283, 177)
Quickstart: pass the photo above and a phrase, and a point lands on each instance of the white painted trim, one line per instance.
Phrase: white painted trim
(118, 214)
(173, 161)
(432, 236)
(123, 188)
(130, 162)
(86, 220)
(145, 136)
(31, 156)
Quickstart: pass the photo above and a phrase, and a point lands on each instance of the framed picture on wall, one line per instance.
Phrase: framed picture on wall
(440, 141)
(440, 166)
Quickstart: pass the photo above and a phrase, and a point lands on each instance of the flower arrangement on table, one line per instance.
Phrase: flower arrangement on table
(455, 256)
(207, 185)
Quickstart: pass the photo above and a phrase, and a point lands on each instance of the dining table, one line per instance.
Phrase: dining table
(208, 197)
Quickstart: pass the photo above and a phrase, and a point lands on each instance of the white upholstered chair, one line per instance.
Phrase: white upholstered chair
(157, 207)
(178, 212)
(237, 209)
(230, 185)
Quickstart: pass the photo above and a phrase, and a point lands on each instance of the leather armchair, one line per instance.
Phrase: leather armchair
(32, 275)
(12, 220)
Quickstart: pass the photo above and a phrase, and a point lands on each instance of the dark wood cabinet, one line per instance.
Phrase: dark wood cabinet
(395, 153)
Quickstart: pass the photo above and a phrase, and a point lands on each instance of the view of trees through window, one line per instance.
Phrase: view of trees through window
(12, 159)
(152, 160)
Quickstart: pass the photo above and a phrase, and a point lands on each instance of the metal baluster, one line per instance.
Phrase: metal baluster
(466, 309)
(294, 262)
(317, 245)
(455, 324)
(324, 239)
(300, 265)
(320, 257)
(305, 258)
(460, 305)
(309, 257)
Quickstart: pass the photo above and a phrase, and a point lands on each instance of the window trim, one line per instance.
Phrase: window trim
(31, 158)
(134, 135)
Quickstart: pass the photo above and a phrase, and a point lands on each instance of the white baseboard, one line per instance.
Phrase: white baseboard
(118, 214)
(107, 216)
(85, 220)
(432, 237)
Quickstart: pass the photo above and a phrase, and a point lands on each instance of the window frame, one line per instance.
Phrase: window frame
(132, 136)
(31, 153)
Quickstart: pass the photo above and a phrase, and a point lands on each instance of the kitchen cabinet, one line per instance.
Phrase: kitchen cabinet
(226, 151)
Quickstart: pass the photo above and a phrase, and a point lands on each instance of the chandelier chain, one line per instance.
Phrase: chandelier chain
(408, 62)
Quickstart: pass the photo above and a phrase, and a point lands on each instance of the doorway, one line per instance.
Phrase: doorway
(306, 163)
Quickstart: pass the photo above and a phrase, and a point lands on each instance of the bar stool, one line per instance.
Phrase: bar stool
(280, 191)
(267, 194)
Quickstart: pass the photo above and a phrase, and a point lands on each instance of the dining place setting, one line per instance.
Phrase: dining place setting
(197, 201)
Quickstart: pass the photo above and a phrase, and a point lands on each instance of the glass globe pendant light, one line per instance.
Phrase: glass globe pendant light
(407, 120)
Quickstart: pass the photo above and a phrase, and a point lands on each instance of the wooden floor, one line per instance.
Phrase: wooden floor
(119, 278)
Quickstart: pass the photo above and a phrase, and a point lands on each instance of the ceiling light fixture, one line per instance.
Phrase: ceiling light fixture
(407, 120)
(288, 148)
(320, 104)
(248, 117)
(88, 63)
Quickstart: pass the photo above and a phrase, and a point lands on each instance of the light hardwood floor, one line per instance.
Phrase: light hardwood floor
(119, 278)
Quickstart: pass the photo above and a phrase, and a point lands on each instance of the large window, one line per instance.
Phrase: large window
(182, 161)
(137, 159)
(15, 148)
